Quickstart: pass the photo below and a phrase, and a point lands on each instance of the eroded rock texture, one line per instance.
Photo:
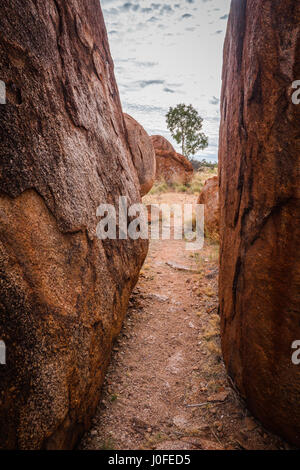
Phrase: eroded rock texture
(171, 167)
(63, 292)
(209, 196)
(143, 154)
(161, 143)
(259, 199)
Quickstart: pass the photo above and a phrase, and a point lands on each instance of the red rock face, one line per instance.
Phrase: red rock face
(142, 152)
(209, 196)
(161, 143)
(63, 292)
(171, 167)
(259, 204)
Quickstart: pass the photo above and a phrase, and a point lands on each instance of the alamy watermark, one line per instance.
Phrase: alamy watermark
(2, 92)
(2, 353)
(296, 94)
(296, 344)
(154, 222)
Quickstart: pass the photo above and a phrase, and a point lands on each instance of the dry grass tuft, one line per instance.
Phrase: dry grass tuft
(193, 187)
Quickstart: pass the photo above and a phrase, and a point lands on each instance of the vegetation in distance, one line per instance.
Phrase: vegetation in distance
(193, 187)
(185, 126)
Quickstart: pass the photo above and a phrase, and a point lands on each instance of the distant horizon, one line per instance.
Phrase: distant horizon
(158, 66)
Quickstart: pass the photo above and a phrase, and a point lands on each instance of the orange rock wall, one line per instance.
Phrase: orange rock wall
(260, 211)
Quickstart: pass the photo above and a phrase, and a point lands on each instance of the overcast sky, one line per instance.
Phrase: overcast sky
(165, 53)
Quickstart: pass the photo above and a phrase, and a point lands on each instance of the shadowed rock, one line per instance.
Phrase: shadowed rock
(63, 292)
(259, 204)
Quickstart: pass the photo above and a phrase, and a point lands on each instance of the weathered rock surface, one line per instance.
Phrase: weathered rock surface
(63, 292)
(143, 153)
(161, 143)
(259, 204)
(172, 167)
(209, 196)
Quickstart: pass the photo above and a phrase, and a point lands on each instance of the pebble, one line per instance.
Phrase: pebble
(160, 298)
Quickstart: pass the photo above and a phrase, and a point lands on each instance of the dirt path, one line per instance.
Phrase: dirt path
(167, 358)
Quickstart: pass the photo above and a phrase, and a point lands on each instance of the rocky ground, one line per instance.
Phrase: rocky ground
(167, 387)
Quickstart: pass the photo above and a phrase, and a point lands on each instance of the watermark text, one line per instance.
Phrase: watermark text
(2, 353)
(156, 221)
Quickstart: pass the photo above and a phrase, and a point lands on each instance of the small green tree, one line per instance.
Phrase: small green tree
(185, 126)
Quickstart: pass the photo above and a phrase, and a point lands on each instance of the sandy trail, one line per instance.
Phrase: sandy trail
(168, 357)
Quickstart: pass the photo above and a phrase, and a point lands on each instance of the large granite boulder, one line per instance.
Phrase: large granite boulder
(171, 167)
(143, 154)
(161, 143)
(259, 204)
(63, 292)
(209, 196)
